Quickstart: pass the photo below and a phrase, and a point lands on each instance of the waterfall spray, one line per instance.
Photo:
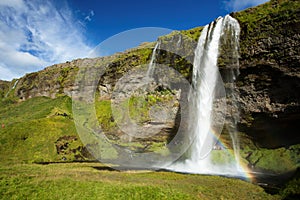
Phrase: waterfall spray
(230, 41)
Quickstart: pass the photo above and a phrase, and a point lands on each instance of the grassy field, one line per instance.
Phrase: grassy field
(33, 129)
(95, 181)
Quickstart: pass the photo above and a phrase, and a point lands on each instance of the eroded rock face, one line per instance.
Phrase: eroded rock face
(69, 148)
(269, 103)
(50, 82)
(269, 80)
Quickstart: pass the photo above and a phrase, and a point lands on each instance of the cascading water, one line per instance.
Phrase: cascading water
(199, 158)
(151, 66)
(13, 87)
(230, 56)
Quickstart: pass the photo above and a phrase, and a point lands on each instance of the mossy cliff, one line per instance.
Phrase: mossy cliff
(4, 88)
(269, 72)
(268, 85)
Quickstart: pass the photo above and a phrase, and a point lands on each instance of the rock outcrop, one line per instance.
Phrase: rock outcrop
(269, 78)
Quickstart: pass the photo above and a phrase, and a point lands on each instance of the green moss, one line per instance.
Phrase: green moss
(104, 115)
(220, 157)
(160, 148)
(138, 109)
(277, 160)
(193, 33)
(126, 61)
(267, 21)
(292, 189)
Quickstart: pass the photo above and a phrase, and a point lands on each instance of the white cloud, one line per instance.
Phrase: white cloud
(5, 72)
(12, 3)
(236, 5)
(89, 16)
(35, 34)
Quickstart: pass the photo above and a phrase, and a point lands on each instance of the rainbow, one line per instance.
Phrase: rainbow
(245, 172)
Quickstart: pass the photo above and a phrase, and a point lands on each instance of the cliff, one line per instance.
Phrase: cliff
(269, 72)
(268, 81)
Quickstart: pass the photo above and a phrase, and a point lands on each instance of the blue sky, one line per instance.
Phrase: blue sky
(37, 33)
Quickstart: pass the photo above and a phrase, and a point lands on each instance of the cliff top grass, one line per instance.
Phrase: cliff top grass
(277, 10)
(272, 21)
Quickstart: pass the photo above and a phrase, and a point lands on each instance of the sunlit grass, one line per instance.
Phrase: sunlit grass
(95, 181)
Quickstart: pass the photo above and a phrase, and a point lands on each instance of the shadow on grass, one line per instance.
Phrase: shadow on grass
(67, 162)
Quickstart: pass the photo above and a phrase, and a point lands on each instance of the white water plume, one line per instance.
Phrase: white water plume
(200, 157)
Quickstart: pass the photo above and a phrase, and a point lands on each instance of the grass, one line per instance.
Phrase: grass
(269, 20)
(84, 181)
(193, 33)
(32, 129)
(279, 11)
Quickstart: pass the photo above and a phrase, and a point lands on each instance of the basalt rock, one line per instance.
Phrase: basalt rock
(269, 78)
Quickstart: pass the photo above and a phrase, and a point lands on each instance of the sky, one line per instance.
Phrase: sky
(35, 34)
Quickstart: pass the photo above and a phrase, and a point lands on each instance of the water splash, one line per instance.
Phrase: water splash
(204, 128)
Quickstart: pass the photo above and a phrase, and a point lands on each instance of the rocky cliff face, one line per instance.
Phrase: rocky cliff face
(59, 79)
(268, 82)
(269, 72)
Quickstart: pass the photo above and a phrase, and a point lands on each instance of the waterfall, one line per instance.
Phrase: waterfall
(13, 87)
(15, 84)
(151, 65)
(230, 42)
(198, 158)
